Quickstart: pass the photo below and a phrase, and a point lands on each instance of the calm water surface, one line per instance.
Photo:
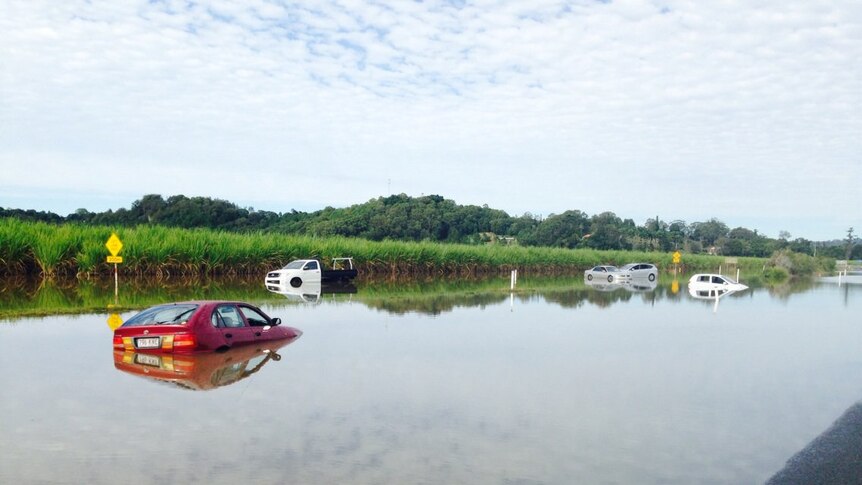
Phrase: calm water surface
(561, 386)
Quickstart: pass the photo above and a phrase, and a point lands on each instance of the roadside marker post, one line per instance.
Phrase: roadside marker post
(114, 245)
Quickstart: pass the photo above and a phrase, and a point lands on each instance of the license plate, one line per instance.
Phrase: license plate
(148, 343)
(145, 359)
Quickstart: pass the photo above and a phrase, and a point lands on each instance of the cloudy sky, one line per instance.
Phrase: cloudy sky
(749, 111)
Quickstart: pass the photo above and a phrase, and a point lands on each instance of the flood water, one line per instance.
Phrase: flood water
(559, 384)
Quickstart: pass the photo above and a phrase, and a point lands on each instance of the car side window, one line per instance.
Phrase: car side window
(310, 265)
(217, 320)
(254, 317)
(717, 280)
(230, 316)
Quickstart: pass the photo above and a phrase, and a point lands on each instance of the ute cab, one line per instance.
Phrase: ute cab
(198, 326)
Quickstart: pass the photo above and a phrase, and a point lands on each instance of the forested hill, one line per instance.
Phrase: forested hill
(401, 217)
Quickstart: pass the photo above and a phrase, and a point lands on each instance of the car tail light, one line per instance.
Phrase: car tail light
(118, 342)
(184, 341)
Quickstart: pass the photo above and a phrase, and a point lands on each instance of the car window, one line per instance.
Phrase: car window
(230, 316)
(311, 265)
(294, 265)
(703, 278)
(173, 314)
(254, 317)
(717, 279)
(217, 320)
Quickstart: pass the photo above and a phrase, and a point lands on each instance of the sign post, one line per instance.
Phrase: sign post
(114, 245)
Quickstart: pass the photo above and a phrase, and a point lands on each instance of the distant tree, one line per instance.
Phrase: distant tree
(432, 217)
(708, 232)
(563, 230)
(606, 232)
(742, 233)
(801, 245)
(849, 242)
(31, 215)
(147, 208)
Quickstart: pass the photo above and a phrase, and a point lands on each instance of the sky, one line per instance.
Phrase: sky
(746, 111)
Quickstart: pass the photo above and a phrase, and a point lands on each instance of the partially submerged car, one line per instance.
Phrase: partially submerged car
(301, 271)
(609, 273)
(199, 326)
(709, 282)
(641, 270)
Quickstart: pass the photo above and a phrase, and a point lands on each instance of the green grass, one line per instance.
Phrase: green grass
(49, 250)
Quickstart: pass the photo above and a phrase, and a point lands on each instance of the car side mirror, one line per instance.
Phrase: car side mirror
(276, 321)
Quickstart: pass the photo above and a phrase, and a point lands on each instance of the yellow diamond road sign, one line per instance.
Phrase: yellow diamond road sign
(114, 321)
(676, 257)
(114, 244)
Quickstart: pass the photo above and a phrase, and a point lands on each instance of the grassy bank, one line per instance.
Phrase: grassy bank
(28, 248)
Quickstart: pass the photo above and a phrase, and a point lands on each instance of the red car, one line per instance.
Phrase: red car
(199, 326)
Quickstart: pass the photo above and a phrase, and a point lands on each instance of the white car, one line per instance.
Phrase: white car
(609, 273)
(303, 271)
(708, 282)
(641, 270)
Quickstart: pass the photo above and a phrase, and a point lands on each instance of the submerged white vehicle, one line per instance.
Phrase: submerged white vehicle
(295, 273)
(641, 270)
(605, 272)
(712, 283)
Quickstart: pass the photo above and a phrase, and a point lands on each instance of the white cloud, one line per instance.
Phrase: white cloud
(562, 100)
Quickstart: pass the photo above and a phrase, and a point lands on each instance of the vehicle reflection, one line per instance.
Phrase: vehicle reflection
(200, 372)
(711, 294)
(604, 286)
(311, 292)
(432, 296)
(639, 285)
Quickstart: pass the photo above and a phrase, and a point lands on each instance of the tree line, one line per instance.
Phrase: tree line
(434, 218)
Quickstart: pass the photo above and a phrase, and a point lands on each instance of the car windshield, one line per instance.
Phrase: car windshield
(162, 314)
(611, 268)
(294, 264)
(628, 267)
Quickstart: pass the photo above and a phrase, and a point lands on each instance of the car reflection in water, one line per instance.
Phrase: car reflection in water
(203, 371)
(710, 294)
(634, 286)
(311, 292)
(637, 285)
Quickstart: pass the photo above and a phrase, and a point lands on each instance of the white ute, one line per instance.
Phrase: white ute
(300, 271)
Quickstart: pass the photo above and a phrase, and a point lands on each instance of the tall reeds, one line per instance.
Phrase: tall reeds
(35, 247)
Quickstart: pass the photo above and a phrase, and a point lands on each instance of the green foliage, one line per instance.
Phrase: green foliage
(403, 218)
(775, 274)
(164, 251)
(797, 264)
